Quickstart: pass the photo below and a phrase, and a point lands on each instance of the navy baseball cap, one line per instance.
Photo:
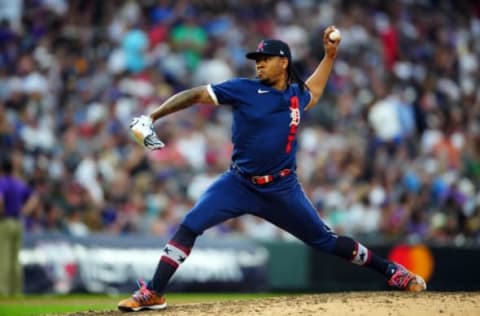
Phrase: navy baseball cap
(270, 47)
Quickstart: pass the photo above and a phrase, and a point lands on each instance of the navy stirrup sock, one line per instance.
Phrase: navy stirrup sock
(357, 253)
(175, 252)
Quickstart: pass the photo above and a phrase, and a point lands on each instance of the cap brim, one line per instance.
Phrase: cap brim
(254, 55)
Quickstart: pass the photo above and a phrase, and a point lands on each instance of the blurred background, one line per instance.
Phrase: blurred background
(390, 155)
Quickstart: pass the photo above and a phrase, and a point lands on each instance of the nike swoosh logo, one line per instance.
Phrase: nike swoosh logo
(262, 91)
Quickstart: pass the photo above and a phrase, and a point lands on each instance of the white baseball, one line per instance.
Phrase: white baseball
(335, 35)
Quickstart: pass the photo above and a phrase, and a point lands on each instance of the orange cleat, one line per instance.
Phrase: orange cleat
(406, 280)
(143, 298)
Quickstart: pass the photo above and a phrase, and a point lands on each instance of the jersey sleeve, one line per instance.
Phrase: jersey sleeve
(304, 97)
(226, 92)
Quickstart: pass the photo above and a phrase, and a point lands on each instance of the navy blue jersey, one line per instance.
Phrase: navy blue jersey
(265, 122)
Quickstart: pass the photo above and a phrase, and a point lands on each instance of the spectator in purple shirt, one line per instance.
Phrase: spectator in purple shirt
(16, 199)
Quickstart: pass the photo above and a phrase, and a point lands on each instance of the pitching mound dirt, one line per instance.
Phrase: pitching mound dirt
(357, 303)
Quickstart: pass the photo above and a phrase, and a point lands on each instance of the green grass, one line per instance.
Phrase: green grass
(51, 304)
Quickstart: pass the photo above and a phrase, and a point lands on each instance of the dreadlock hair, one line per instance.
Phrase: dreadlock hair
(294, 77)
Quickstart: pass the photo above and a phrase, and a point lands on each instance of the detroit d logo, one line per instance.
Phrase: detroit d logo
(295, 116)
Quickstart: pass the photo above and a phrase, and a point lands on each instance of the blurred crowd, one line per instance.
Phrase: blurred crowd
(391, 150)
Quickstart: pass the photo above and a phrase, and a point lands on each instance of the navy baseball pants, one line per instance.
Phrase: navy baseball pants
(282, 202)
